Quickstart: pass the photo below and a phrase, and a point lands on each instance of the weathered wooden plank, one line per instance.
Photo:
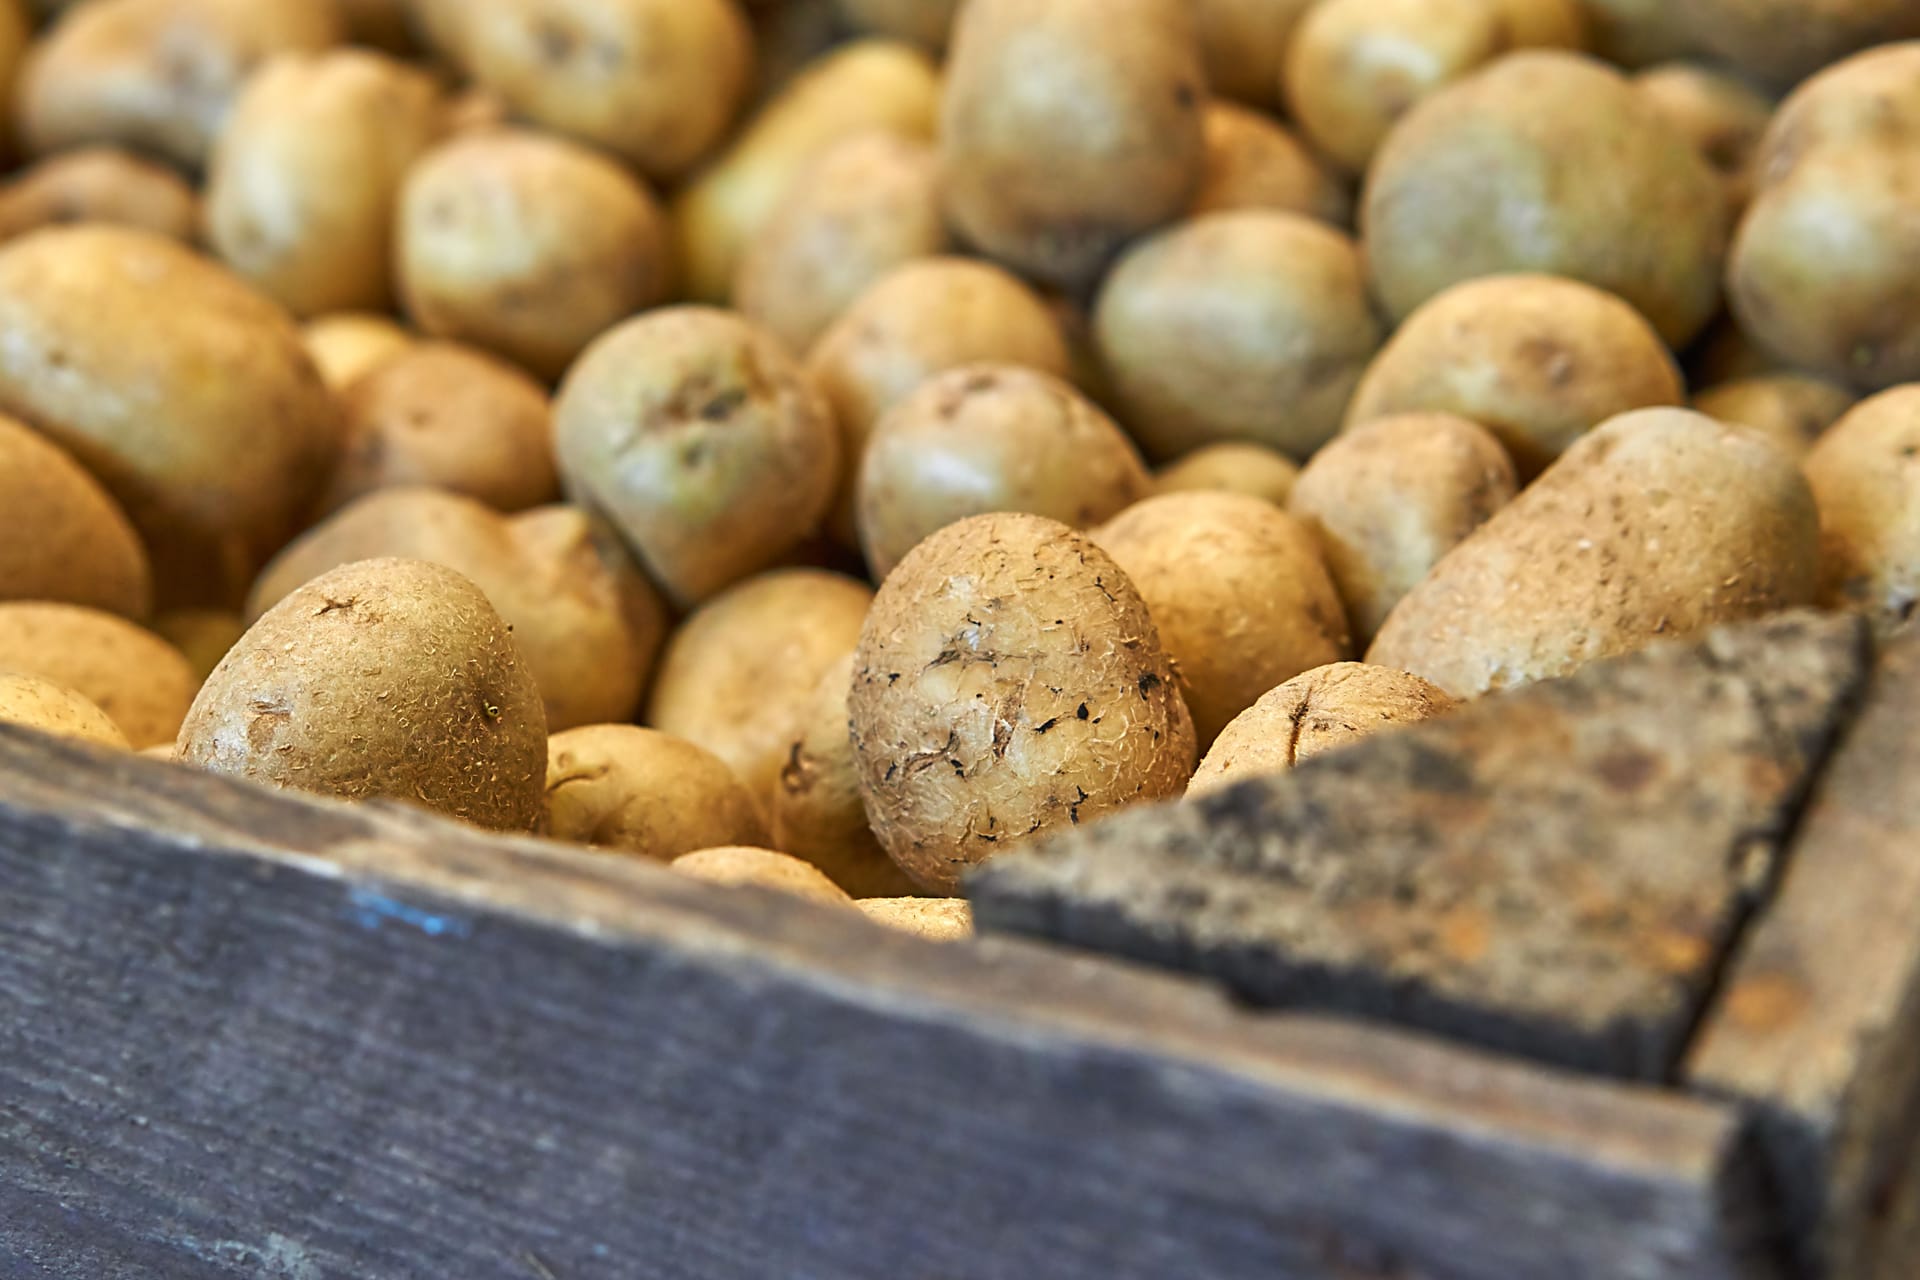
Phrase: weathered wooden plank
(1556, 872)
(1818, 1022)
(244, 1034)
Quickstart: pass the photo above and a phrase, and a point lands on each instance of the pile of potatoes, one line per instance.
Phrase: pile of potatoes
(824, 444)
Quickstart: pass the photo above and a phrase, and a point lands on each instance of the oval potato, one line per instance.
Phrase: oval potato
(141, 682)
(735, 866)
(99, 184)
(1233, 467)
(1253, 162)
(1790, 409)
(64, 539)
(646, 793)
(40, 704)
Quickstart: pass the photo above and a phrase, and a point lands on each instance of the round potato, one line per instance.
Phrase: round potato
(989, 437)
(1657, 523)
(347, 345)
(1238, 592)
(187, 394)
(203, 636)
(701, 440)
(1388, 499)
(1537, 360)
(1254, 163)
(764, 868)
(739, 676)
(639, 791)
(1722, 115)
(1315, 712)
(865, 85)
(935, 919)
(303, 178)
(448, 417)
(527, 245)
(1825, 272)
(920, 319)
(99, 184)
(1546, 162)
(1233, 467)
(584, 618)
(388, 679)
(1009, 682)
(1867, 483)
(1789, 409)
(1243, 43)
(1782, 41)
(65, 539)
(1250, 325)
(54, 709)
(1052, 173)
(867, 205)
(156, 75)
(924, 22)
(141, 682)
(817, 813)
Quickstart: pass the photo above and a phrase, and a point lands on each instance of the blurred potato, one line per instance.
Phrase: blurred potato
(99, 184)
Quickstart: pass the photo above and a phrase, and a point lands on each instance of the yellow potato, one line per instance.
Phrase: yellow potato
(62, 538)
(1233, 467)
(1790, 409)
(54, 709)
(1863, 476)
(351, 343)
(141, 682)
(1254, 163)
(1721, 114)
(935, 919)
(639, 791)
(99, 184)
(763, 868)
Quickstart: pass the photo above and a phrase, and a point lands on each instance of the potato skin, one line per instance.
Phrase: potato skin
(1547, 162)
(737, 865)
(449, 417)
(303, 178)
(1315, 712)
(1232, 467)
(386, 679)
(585, 620)
(526, 245)
(1781, 41)
(1722, 115)
(935, 919)
(1388, 499)
(1250, 325)
(1009, 682)
(141, 682)
(54, 709)
(1657, 523)
(1537, 360)
(1053, 175)
(1254, 163)
(642, 792)
(1243, 43)
(64, 539)
(1789, 409)
(702, 441)
(99, 184)
(990, 437)
(345, 345)
(1863, 477)
(185, 393)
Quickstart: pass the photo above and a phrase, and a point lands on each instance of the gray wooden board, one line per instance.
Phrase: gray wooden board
(1818, 1020)
(1556, 872)
(243, 1034)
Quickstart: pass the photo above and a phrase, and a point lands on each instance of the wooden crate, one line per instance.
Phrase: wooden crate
(252, 1034)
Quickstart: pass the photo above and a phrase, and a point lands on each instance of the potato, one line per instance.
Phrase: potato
(1789, 409)
(869, 84)
(764, 868)
(16, 33)
(1067, 129)
(1659, 522)
(920, 319)
(990, 437)
(203, 636)
(1825, 272)
(639, 791)
(1233, 467)
(1009, 683)
(867, 205)
(1537, 360)
(935, 919)
(1254, 163)
(303, 178)
(64, 539)
(1782, 41)
(187, 394)
(1243, 43)
(1238, 591)
(817, 813)
(1638, 33)
(1863, 476)
(1546, 162)
(527, 245)
(653, 81)
(1355, 67)
(700, 439)
(739, 676)
(51, 708)
(141, 682)
(1236, 326)
(351, 343)
(1315, 712)
(1389, 498)
(586, 622)
(99, 184)
(156, 75)
(449, 417)
(388, 679)
(1721, 114)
